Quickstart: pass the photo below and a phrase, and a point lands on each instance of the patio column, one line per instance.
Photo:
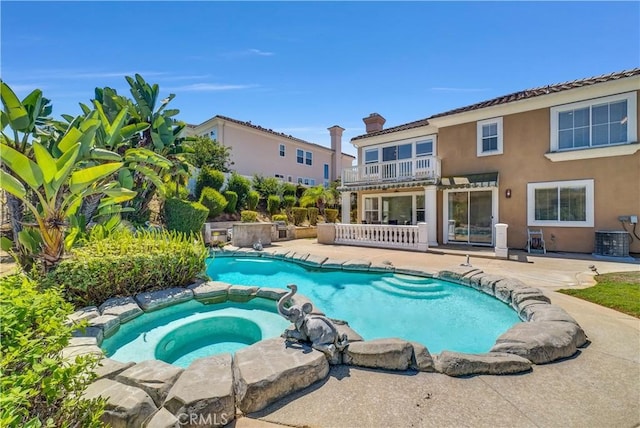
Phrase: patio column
(346, 207)
(431, 214)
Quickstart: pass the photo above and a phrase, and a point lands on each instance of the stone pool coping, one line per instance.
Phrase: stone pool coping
(250, 380)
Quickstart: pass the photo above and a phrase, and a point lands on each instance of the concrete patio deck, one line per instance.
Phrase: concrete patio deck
(599, 387)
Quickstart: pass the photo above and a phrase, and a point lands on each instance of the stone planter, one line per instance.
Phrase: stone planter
(301, 232)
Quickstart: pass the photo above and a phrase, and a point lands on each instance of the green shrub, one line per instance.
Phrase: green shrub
(40, 387)
(208, 177)
(267, 186)
(273, 204)
(281, 217)
(289, 189)
(184, 216)
(242, 187)
(252, 200)
(232, 201)
(289, 202)
(213, 200)
(248, 216)
(125, 264)
(313, 215)
(331, 215)
(299, 216)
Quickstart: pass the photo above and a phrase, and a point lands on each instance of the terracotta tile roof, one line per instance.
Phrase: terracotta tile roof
(271, 131)
(516, 96)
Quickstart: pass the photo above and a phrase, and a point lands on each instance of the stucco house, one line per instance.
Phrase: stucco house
(563, 158)
(262, 151)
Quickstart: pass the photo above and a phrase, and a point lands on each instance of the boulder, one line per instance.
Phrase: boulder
(487, 283)
(271, 293)
(421, 359)
(519, 295)
(205, 390)
(493, 363)
(343, 327)
(124, 308)
(153, 376)
(239, 293)
(550, 313)
(503, 288)
(108, 368)
(210, 292)
(154, 300)
(459, 274)
(164, 419)
(71, 352)
(83, 314)
(90, 331)
(541, 342)
(389, 354)
(126, 406)
(108, 323)
(271, 369)
(527, 307)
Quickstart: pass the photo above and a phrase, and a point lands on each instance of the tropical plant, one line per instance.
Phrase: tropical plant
(60, 182)
(318, 196)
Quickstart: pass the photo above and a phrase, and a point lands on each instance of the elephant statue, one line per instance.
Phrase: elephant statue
(317, 329)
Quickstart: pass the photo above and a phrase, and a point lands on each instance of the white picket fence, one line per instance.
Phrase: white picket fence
(383, 236)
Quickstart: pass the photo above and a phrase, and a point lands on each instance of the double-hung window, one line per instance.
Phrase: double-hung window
(489, 137)
(594, 123)
(309, 158)
(560, 203)
(300, 156)
(282, 150)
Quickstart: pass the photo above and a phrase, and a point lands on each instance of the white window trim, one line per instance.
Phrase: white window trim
(303, 159)
(412, 141)
(494, 207)
(308, 156)
(531, 209)
(379, 196)
(282, 150)
(480, 124)
(632, 125)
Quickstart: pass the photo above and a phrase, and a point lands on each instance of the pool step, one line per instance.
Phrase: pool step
(426, 284)
(412, 278)
(430, 293)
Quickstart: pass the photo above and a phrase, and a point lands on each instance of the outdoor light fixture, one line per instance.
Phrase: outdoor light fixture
(507, 193)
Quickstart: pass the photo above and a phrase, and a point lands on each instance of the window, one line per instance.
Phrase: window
(392, 153)
(489, 137)
(306, 181)
(290, 179)
(309, 158)
(312, 182)
(213, 134)
(371, 214)
(300, 156)
(594, 123)
(299, 180)
(424, 148)
(282, 150)
(280, 176)
(371, 156)
(326, 171)
(560, 203)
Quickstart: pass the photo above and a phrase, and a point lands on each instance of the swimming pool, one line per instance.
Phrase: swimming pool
(438, 314)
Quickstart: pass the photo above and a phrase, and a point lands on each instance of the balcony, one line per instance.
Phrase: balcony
(424, 169)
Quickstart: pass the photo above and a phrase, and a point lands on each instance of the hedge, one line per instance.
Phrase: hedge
(249, 216)
(273, 204)
(252, 200)
(281, 217)
(312, 212)
(331, 215)
(184, 216)
(214, 201)
(232, 201)
(208, 177)
(242, 187)
(299, 216)
(125, 264)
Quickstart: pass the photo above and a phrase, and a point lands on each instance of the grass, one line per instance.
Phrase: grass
(616, 290)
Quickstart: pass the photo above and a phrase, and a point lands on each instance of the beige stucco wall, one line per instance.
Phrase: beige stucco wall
(526, 140)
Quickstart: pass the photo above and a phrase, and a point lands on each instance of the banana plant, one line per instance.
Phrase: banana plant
(59, 184)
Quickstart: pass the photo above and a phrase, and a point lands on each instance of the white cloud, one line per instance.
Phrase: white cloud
(260, 53)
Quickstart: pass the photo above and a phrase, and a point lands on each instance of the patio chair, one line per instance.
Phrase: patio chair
(535, 241)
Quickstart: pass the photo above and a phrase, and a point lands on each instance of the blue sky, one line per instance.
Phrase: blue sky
(301, 67)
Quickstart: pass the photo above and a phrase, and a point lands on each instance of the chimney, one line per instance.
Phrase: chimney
(374, 122)
(336, 156)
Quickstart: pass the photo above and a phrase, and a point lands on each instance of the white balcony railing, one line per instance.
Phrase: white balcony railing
(382, 236)
(423, 168)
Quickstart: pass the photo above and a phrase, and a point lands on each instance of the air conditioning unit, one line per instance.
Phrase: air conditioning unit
(613, 243)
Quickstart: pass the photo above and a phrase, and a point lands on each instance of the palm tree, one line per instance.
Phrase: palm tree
(318, 196)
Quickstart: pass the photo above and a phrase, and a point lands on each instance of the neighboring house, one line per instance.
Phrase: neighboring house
(257, 150)
(563, 158)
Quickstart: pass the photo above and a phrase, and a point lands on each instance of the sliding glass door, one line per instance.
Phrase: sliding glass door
(470, 216)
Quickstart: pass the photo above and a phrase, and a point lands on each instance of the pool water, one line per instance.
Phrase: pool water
(182, 333)
(438, 314)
